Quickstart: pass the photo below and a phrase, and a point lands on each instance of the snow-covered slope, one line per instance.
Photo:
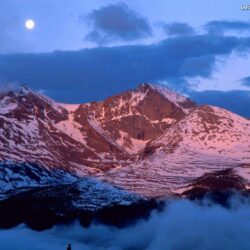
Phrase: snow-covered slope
(206, 140)
(95, 194)
(18, 177)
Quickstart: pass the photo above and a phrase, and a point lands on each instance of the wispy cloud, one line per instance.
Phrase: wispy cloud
(177, 29)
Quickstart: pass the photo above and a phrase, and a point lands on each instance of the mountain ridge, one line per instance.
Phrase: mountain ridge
(150, 140)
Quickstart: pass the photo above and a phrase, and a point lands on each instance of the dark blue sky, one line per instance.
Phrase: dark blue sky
(87, 50)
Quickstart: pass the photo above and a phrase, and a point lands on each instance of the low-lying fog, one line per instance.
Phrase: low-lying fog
(181, 225)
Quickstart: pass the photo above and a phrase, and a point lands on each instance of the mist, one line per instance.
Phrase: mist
(180, 225)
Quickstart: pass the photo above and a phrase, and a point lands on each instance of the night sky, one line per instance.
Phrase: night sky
(83, 50)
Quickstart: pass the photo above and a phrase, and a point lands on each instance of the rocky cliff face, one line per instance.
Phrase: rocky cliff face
(132, 118)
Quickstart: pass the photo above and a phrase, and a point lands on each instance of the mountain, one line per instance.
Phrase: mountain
(145, 143)
(87, 138)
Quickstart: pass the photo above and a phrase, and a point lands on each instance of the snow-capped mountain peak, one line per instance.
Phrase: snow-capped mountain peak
(149, 134)
(171, 95)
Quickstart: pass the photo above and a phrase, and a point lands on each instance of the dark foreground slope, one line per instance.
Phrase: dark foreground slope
(87, 200)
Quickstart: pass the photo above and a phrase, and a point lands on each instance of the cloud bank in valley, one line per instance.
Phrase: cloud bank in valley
(181, 225)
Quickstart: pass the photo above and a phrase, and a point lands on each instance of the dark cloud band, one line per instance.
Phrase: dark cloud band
(219, 27)
(77, 77)
(237, 100)
(246, 81)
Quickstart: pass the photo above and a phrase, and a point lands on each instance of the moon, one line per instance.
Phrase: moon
(30, 24)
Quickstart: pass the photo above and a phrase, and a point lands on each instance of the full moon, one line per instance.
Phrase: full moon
(30, 24)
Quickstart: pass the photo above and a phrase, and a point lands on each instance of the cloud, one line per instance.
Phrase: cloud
(93, 74)
(7, 87)
(246, 81)
(178, 29)
(182, 225)
(237, 101)
(117, 22)
(219, 27)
